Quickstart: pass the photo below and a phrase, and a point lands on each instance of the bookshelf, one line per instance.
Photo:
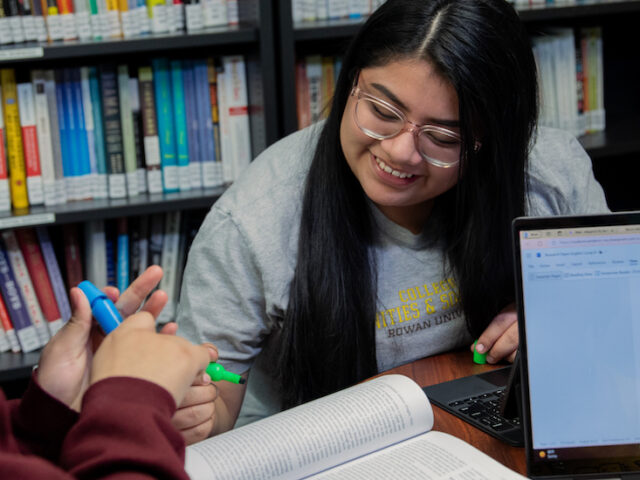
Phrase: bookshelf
(253, 38)
(617, 147)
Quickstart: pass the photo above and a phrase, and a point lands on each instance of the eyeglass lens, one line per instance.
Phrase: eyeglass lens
(380, 122)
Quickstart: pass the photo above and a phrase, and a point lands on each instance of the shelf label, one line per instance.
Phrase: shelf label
(27, 220)
(20, 53)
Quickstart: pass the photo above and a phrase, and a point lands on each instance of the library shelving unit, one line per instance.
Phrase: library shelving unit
(614, 152)
(253, 38)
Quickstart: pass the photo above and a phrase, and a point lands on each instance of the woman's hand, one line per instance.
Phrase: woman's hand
(65, 363)
(135, 350)
(500, 338)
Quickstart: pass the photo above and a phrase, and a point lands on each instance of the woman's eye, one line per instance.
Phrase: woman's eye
(384, 113)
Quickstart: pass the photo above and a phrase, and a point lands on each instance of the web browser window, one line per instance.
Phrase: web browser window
(582, 284)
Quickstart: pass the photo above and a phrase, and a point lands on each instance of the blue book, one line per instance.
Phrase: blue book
(16, 306)
(110, 242)
(180, 118)
(75, 192)
(205, 121)
(122, 255)
(191, 108)
(83, 159)
(166, 129)
(98, 128)
(61, 103)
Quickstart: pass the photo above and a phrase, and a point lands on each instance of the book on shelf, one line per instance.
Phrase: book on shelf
(212, 173)
(95, 252)
(136, 114)
(8, 338)
(151, 140)
(25, 331)
(180, 125)
(60, 190)
(381, 428)
(92, 175)
(122, 254)
(111, 252)
(72, 255)
(5, 194)
(27, 111)
(37, 269)
(210, 168)
(23, 280)
(191, 106)
(82, 160)
(156, 234)
(126, 120)
(15, 154)
(55, 275)
(171, 239)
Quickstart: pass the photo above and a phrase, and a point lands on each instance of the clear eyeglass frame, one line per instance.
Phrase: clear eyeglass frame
(406, 125)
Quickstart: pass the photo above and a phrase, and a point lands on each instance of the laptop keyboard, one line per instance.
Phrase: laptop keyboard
(483, 411)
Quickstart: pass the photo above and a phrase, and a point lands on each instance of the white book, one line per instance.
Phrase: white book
(314, 77)
(60, 190)
(26, 286)
(45, 145)
(151, 140)
(296, 11)
(30, 143)
(233, 16)
(379, 429)
(82, 19)
(170, 255)
(236, 109)
(5, 31)
(128, 142)
(215, 13)
(87, 107)
(599, 120)
(338, 8)
(322, 10)
(5, 346)
(225, 143)
(5, 193)
(95, 252)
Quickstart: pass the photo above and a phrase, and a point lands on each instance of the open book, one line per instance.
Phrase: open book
(376, 429)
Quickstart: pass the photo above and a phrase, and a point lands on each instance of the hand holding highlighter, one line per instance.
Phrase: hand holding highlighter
(108, 317)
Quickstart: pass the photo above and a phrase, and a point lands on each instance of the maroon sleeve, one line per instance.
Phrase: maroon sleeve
(40, 422)
(125, 431)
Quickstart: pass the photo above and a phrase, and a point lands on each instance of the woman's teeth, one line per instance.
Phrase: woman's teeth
(388, 169)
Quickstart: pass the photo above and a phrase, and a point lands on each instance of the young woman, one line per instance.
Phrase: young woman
(381, 235)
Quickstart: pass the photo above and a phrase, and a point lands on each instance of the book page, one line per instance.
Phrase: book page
(431, 456)
(317, 435)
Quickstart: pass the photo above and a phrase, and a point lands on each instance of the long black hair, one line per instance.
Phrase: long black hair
(482, 49)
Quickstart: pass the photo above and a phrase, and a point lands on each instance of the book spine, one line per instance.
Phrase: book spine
(13, 10)
(170, 247)
(15, 154)
(82, 158)
(102, 188)
(5, 194)
(158, 13)
(237, 111)
(23, 279)
(122, 254)
(55, 276)
(110, 250)
(226, 152)
(126, 120)
(156, 232)
(211, 171)
(215, 177)
(24, 329)
(37, 269)
(55, 101)
(95, 252)
(151, 141)
(72, 255)
(68, 133)
(45, 145)
(112, 132)
(196, 153)
(180, 123)
(89, 128)
(136, 114)
(303, 106)
(164, 110)
(9, 332)
(30, 143)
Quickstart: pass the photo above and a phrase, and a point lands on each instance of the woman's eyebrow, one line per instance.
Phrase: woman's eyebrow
(385, 91)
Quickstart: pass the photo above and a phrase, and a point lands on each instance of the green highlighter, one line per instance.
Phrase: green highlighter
(479, 358)
(217, 373)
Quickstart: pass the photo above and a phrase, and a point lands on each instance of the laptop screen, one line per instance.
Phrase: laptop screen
(580, 297)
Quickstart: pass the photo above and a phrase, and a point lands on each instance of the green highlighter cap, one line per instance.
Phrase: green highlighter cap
(479, 358)
(217, 373)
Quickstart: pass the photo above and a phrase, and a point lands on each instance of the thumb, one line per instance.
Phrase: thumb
(80, 311)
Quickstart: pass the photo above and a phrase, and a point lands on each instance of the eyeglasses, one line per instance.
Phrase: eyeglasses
(381, 120)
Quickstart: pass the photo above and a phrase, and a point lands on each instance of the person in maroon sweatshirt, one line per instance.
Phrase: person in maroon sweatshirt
(104, 413)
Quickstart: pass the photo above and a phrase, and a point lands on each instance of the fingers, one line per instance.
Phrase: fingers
(156, 302)
(500, 339)
(131, 299)
(170, 328)
(196, 416)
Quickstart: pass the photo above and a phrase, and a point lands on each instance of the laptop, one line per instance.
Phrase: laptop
(578, 299)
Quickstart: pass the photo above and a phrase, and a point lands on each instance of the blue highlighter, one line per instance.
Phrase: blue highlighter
(103, 309)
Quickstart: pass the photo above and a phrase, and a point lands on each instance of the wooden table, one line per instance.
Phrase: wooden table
(449, 366)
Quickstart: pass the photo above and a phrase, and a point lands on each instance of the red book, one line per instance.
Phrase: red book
(37, 268)
(73, 260)
(7, 326)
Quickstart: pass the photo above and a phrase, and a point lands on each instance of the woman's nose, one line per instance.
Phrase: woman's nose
(402, 148)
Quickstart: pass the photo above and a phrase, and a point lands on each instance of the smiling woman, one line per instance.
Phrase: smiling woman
(301, 273)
